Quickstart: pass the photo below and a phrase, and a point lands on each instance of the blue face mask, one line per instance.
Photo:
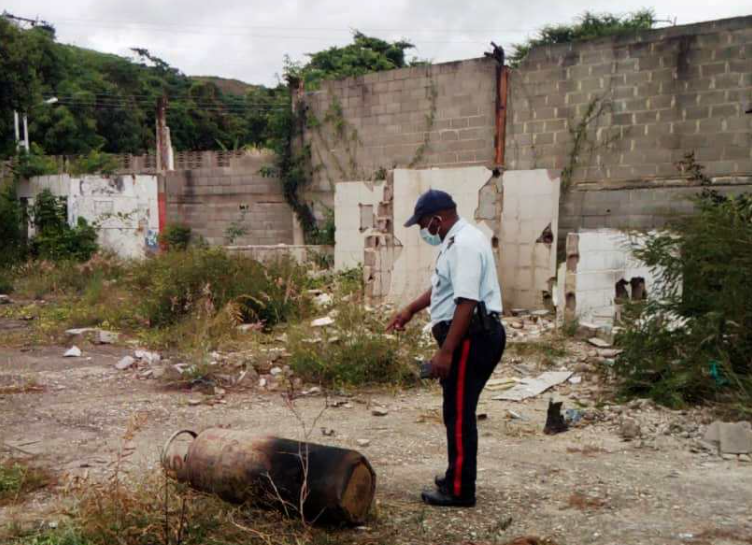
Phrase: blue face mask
(428, 237)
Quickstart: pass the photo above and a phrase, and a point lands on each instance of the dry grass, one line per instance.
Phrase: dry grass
(588, 450)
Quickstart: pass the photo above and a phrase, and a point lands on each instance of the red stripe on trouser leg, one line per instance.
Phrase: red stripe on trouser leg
(458, 425)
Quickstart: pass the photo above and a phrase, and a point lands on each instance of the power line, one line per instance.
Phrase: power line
(350, 30)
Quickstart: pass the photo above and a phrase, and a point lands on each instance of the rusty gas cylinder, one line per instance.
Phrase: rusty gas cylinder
(338, 485)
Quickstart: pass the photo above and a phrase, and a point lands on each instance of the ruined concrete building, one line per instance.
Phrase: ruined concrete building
(554, 160)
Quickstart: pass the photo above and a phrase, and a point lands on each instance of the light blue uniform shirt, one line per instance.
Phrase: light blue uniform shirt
(465, 268)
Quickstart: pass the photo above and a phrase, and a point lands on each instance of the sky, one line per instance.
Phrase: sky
(248, 39)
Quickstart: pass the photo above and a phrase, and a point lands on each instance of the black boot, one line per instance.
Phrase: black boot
(442, 498)
(440, 481)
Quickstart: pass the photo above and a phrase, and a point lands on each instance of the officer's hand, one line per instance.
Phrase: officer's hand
(400, 320)
(441, 363)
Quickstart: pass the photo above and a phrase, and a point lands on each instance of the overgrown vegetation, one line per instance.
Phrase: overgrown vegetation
(691, 341)
(589, 26)
(56, 240)
(176, 236)
(18, 479)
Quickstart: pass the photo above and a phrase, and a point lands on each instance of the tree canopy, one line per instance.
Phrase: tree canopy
(107, 102)
(589, 25)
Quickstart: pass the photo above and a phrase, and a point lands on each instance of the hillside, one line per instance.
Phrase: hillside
(108, 102)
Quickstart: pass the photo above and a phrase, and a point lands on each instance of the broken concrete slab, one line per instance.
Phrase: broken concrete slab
(73, 352)
(322, 322)
(148, 357)
(531, 387)
(598, 342)
(731, 438)
(125, 363)
(106, 337)
(77, 332)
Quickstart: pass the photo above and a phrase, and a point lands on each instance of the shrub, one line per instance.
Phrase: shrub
(55, 239)
(351, 353)
(694, 342)
(175, 283)
(176, 237)
(94, 162)
(35, 163)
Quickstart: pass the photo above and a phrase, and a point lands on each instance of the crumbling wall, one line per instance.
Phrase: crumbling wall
(125, 207)
(599, 274)
(529, 225)
(356, 205)
(239, 198)
(616, 115)
(441, 115)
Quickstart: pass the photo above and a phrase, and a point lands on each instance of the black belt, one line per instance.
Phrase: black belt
(441, 329)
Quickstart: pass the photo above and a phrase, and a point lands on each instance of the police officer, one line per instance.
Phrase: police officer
(465, 306)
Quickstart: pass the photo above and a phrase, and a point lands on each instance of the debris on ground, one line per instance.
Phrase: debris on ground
(363, 442)
(147, 357)
(531, 387)
(379, 412)
(322, 322)
(126, 363)
(106, 337)
(554, 419)
(77, 332)
(730, 437)
(327, 432)
(599, 343)
(496, 384)
(245, 328)
(5, 300)
(629, 428)
(73, 352)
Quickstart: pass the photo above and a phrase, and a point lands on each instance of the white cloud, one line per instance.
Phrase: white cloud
(248, 39)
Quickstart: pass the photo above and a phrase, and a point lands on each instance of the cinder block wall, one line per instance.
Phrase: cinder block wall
(441, 115)
(211, 200)
(650, 98)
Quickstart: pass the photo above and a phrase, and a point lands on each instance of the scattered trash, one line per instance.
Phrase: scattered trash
(73, 352)
(531, 387)
(106, 337)
(322, 322)
(327, 432)
(599, 343)
(275, 371)
(323, 300)
(315, 390)
(5, 300)
(554, 419)
(516, 415)
(125, 363)
(147, 357)
(363, 442)
(496, 384)
(576, 379)
(80, 331)
(193, 402)
(245, 328)
(731, 438)
(629, 428)
(379, 412)
(572, 416)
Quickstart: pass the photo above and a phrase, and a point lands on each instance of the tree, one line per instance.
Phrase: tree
(589, 26)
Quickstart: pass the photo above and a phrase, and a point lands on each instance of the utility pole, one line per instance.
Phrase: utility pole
(18, 133)
(165, 159)
(26, 132)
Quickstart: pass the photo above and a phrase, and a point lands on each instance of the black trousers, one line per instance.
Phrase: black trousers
(472, 365)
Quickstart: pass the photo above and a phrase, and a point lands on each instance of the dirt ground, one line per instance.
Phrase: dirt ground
(586, 485)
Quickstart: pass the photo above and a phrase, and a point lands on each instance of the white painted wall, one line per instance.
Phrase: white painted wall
(412, 270)
(531, 203)
(126, 207)
(349, 238)
(605, 258)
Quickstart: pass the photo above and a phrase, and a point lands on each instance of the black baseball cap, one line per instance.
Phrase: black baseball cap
(430, 202)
